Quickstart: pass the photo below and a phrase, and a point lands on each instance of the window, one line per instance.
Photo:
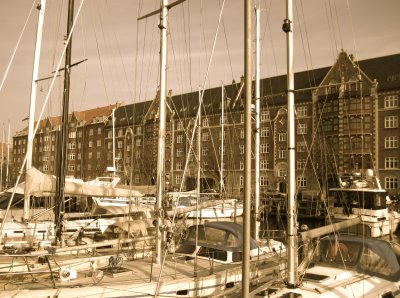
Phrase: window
(282, 172)
(224, 119)
(302, 129)
(282, 153)
(120, 132)
(264, 132)
(79, 135)
(139, 130)
(45, 168)
(109, 145)
(264, 164)
(179, 152)
(178, 179)
(119, 144)
(98, 143)
(241, 148)
(241, 180)
(241, 165)
(91, 132)
(264, 115)
(71, 167)
(98, 154)
(282, 137)
(391, 101)
(89, 167)
(109, 134)
(263, 181)
(391, 162)
(204, 151)
(301, 164)
(90, 155)
(90, 144)
(391, 142)
(179, 166)
(179, 125)
(138, 142)
(205, 137)
(391, 183)
(128, 148)
(205, 122)
(301, 147)
(99, 130)
(137, 178)
(264, 148)
(179, 139)
(301, 111)
(391, 122)
(241, 118)
(71, 156)
(72, 135)
(79, 156)
(301, 181)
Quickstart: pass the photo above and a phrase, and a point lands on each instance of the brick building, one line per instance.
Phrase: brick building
(347, 119)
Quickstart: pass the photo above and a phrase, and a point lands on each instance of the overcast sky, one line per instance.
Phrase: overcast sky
(122, 53)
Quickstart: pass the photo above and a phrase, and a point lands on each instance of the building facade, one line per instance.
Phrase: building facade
(347, 119)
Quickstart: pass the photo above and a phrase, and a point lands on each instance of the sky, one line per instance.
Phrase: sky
(122, 52)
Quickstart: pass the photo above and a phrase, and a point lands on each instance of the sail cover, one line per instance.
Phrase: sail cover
(40, 184)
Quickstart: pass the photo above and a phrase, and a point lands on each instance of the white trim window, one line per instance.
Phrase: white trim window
(391, 122)
(391, 182)
(264, 148)
(179, 139)
(391, 142)
(263, 181)
(302, 129)
(391, 101)
(301, 111)
(301, 181)
(391, 162)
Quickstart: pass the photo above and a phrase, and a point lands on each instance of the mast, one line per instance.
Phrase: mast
(198, 180)
(62, 142)
(292, 279)
(247, 151)
(35, 74)
(256, 221)
(221, 181)
(2, 158)
(161, 130)
(113, 141)
(8, 152)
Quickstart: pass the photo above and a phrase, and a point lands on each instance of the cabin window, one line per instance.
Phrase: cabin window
(372, 262)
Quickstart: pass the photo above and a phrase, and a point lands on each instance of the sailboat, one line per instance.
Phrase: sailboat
(126, 261)
(333, 266)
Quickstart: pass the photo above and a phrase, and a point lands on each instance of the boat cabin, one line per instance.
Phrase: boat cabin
(222, 242)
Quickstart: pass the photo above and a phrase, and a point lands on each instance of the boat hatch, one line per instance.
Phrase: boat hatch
(315, 277)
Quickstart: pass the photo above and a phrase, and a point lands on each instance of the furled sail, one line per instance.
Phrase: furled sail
(40, 184)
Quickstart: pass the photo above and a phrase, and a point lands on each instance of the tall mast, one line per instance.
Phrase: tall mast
(35, 74)
(161, 130)
(221, 177)
(247, 151)
(62, 142)
(292, 279)
(8, 151)
(113, 141)
(256, 221)
(2, 158)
